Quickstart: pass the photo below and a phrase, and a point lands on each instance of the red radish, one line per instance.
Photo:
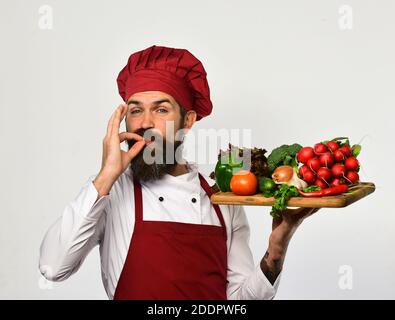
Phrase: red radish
(320, 148)
(322, 184)
(347, 151)
(302, 170)
(339, 170)
(314, 164)
(305, 154)
(352, 164)
(327, 159)
(338, 181)
(324, 174)
(338, 155)
(352, 176)
(332, 145)
(309, 176)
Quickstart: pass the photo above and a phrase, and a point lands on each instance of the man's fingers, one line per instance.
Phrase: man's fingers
(314, 210)
(294, 211)
(302, 211)
(311, 211)
(120, 112)
(135, 149)
(307, 210)
(129, 135)
(109, 125)
(114, 126)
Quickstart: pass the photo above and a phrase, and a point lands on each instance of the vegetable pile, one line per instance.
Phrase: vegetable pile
(328, 168)
(284, 155)
(231, 162)
(330, 163)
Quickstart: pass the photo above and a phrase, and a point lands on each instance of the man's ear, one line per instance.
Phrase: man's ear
(189, 119)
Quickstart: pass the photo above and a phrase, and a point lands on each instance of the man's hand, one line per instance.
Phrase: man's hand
(114, 159)
(283, 229)
(286, 224)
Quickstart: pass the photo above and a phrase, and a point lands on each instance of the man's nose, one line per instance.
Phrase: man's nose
(147, 121)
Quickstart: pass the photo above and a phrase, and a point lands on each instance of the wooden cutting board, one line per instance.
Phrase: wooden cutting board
(358, 192)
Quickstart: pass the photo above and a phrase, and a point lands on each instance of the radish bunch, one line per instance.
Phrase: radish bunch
(329, 163)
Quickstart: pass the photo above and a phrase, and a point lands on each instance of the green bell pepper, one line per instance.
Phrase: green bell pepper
(225, 168)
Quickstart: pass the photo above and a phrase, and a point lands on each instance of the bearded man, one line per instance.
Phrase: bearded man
(149, 210)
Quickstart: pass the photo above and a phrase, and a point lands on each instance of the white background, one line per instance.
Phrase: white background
(284, 69)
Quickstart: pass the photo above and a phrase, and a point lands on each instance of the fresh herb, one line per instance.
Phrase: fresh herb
(281, 197)
(268, 194)
(311, 188)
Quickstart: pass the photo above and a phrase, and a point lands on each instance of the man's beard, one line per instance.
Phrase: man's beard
(142, 171)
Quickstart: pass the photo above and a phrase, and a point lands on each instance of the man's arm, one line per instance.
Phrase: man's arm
(273, 260)
(283, 229)
(81, 225)
(246, 281)
(69, 240)
(103, 185)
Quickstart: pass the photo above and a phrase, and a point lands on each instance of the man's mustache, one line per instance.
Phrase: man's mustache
(149, 134)
(155, 159)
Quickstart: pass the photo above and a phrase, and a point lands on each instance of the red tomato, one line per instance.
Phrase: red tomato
(244, 183)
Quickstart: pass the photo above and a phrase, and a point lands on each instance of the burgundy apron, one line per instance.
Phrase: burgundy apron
(174, 260)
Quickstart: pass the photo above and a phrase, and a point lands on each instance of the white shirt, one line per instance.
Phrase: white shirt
(109, 223)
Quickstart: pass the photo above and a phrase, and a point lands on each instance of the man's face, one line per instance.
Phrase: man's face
(152, 113)
(151, 109)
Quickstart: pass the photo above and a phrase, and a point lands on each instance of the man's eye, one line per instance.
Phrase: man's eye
(162, 110)
(135, 111)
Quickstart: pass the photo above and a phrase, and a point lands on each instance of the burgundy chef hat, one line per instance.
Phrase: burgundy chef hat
(174, 71)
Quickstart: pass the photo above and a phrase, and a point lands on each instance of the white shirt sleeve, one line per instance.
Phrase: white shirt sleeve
(69, 240)
(245, 281)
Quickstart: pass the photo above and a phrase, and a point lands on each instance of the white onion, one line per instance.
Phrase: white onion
(287, 175)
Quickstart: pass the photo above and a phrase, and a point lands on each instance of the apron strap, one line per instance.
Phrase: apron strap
(138, 202)
(209, 192)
